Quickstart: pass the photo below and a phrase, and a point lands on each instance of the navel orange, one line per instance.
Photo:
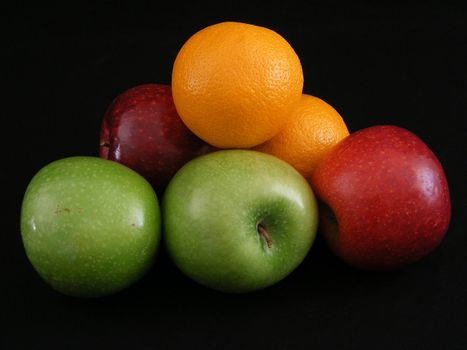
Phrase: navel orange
(235, 84)
(313, 129)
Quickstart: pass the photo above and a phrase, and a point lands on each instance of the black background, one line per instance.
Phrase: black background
(378, 63)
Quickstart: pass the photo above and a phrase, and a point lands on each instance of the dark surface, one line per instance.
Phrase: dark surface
(376, 64)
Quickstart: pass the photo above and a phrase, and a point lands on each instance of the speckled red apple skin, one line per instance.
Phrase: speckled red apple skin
(389, 195)
(142, 130)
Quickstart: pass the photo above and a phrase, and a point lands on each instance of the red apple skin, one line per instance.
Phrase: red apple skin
(385, 198)
(142, 130)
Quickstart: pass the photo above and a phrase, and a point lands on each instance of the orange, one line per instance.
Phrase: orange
(313, 130)
(234, 84)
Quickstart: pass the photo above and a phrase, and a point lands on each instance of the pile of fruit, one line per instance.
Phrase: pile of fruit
(237, 153)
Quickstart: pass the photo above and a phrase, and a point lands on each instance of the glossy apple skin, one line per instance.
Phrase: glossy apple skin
(385, 198)
(211, 212)
(142, 130)
(90, 227)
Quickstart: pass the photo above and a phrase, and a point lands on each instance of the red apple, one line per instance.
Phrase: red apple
(142, 130)
(385, 198)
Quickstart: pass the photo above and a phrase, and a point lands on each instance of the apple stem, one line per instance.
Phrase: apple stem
(262, 231)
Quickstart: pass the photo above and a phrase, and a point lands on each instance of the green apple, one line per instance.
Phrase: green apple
(90, 226)
(238, 220)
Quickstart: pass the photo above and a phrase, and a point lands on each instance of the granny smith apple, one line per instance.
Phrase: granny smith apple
(90, 226)
(238, 220)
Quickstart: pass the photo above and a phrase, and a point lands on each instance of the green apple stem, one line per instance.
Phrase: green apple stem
(262, 231)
